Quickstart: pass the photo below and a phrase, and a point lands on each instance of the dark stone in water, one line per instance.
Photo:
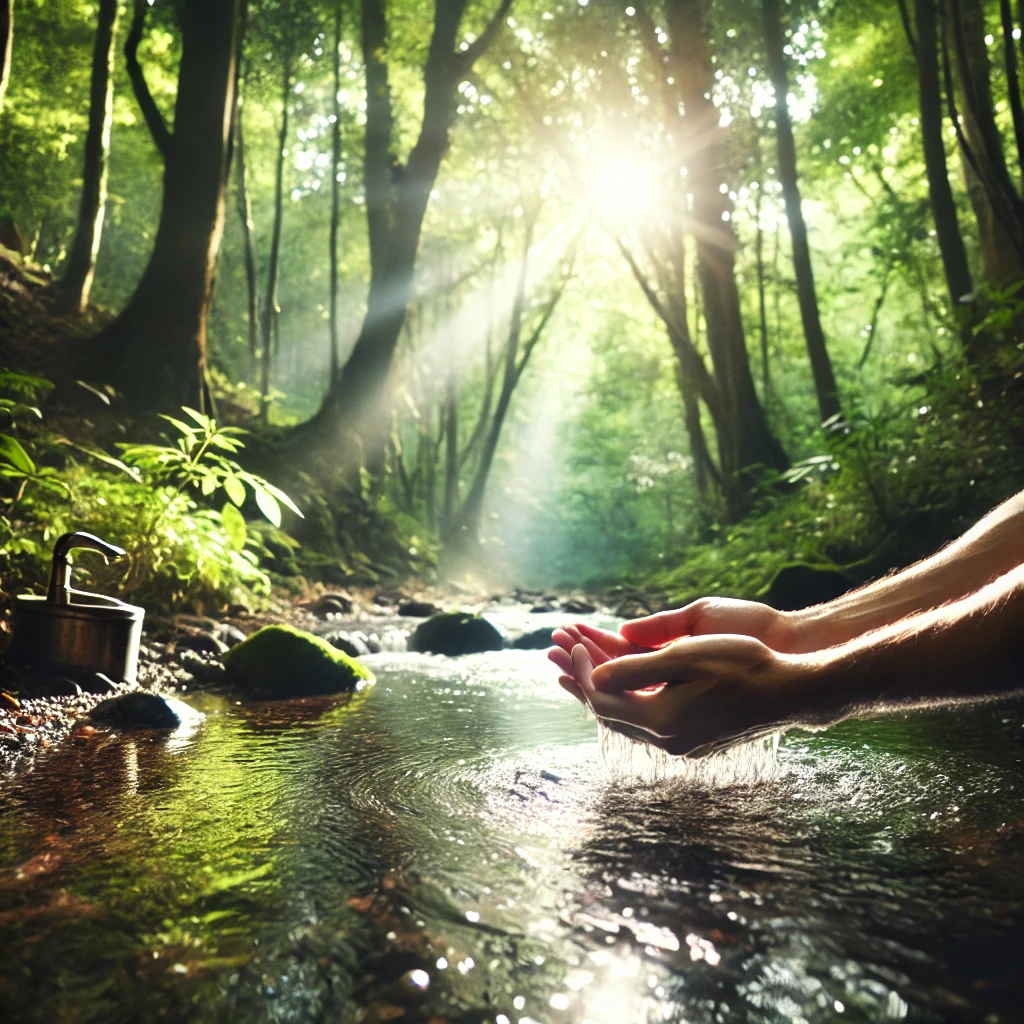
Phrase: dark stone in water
(333, 604)
(352, 644)
(799, 586)
(141, 710)
(535, 640)
(278, 662)
(455, 633)
(417, 609)
(578, 606)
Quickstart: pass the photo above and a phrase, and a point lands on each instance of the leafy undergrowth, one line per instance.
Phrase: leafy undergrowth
(885, 491)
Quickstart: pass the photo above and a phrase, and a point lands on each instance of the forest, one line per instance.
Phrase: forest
(660, 296)
(403, 360)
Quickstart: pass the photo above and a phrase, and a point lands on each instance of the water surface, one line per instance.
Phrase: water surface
(295, 861)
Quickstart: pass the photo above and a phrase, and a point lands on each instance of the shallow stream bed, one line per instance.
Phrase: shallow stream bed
(454, 828)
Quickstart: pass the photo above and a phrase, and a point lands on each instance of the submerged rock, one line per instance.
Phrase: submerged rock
(140, 710)
(455, 633)
(278, 662)
(535, 640)
(352, 644)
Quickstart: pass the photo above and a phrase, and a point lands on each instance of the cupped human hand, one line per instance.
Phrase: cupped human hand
(715, 691)
(601, 645)
(716, 615)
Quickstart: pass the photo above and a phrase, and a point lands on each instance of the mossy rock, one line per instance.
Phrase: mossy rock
(278, 662)
(455, 633)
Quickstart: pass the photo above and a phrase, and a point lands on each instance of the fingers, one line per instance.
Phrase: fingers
(655, 630)
(612, 644)
(637, 671)
(568, 684)
(562, 660)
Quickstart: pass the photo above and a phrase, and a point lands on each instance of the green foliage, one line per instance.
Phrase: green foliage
(156, 502)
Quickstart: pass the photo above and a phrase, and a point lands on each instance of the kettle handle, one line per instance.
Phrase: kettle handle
(59, 591)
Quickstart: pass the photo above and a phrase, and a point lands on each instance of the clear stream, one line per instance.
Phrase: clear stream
(454, 828)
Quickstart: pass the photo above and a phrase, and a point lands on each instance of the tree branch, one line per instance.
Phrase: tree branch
(150, 111)
(465, 59)
(905, 18)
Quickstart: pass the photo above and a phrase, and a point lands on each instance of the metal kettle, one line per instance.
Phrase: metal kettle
(69, 631)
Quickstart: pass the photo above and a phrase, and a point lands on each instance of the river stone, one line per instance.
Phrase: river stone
(141, 710)
(201, 643)
(351, 644)
(578, 606)
(535, 640)
(333, 604)
(278, 662)
(455, 633)
(417, 609)
(799, 586)
(205, 668)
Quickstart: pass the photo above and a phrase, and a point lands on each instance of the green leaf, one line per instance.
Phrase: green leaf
(183, 428)
(208, 483)
(235, 489)
(234, 525)
(12, 451)
(283, 498)
(204, 421)
(267, 503)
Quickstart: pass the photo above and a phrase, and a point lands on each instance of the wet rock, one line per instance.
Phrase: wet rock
(338, 603)
(535, 640)
(578, 606)
(799, 586)
(204, 667)
(239, 611)
(140, 710)
(352, 644)
(389, 598)
(278, 662)
(201, 643)
(455, 633)
(417, 609)
(230, 636)
(547, 604)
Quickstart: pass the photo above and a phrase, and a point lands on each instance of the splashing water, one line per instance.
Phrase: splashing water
(745, 764)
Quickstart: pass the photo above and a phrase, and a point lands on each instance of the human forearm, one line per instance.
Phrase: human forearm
(991, 548)
(969, 649)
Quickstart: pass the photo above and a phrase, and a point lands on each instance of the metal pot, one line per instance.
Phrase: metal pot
(69, 631)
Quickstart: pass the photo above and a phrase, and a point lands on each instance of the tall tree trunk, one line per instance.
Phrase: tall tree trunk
(350, 410)
(996, 204)
(821, 365)
(248, 240)
(745, 441)
(947, 228)
(76, 283)
(269, 322)
(156, 349)
(450, 412)
(6, 45)
(762, 305)
(335, 194)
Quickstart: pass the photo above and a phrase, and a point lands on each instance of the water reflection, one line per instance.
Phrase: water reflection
(318, 860)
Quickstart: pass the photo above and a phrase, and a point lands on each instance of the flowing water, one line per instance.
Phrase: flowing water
(450, 846)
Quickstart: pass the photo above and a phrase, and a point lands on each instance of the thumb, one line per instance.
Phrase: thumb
(655, 630)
